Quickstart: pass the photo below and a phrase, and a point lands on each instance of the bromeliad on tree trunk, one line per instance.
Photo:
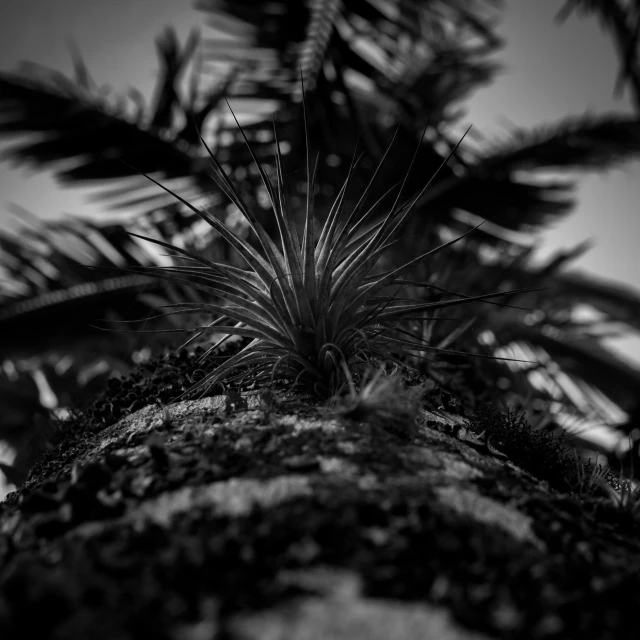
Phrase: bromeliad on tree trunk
(309, 306)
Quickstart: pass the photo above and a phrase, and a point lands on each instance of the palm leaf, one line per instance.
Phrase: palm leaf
(57, 286)
(623, 20)
(75, 122)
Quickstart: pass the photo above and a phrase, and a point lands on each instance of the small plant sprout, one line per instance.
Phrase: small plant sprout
(234, 401)
(166, 420)
(382, 401)
(313, 310)
(586, 483)
(627, 497)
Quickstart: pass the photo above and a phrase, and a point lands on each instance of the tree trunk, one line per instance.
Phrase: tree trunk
(256, 517)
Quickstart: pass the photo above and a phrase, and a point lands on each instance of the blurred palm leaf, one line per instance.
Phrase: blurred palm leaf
(574, 368)
(60, 282)
(76, 121)
(400, 64)
(622, 19)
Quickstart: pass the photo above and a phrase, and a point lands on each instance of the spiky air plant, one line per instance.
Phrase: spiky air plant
(312, 310)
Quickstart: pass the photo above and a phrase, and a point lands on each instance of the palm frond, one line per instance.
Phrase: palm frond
(623, 20)
(395, 86)
(74, 121)
(575, 142)
(58, 286)
(618, 303)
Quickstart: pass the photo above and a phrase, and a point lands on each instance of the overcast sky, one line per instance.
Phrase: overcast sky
(551, 71)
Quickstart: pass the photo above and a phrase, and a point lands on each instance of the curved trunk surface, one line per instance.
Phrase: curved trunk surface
(262, 517)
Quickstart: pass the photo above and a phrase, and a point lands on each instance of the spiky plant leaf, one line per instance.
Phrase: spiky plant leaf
(312, 310)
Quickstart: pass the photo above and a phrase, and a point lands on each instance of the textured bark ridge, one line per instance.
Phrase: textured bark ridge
(264, 517)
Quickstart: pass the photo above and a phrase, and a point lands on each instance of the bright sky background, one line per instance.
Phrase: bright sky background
(551, 71)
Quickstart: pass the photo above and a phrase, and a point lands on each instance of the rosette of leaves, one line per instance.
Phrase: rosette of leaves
(313, 308)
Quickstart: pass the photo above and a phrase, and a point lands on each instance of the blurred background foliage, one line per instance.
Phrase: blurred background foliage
(369, 67)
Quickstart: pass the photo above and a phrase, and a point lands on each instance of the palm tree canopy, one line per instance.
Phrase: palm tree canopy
(368, 67)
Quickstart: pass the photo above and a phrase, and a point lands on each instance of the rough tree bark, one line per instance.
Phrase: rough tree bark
(264, 517)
